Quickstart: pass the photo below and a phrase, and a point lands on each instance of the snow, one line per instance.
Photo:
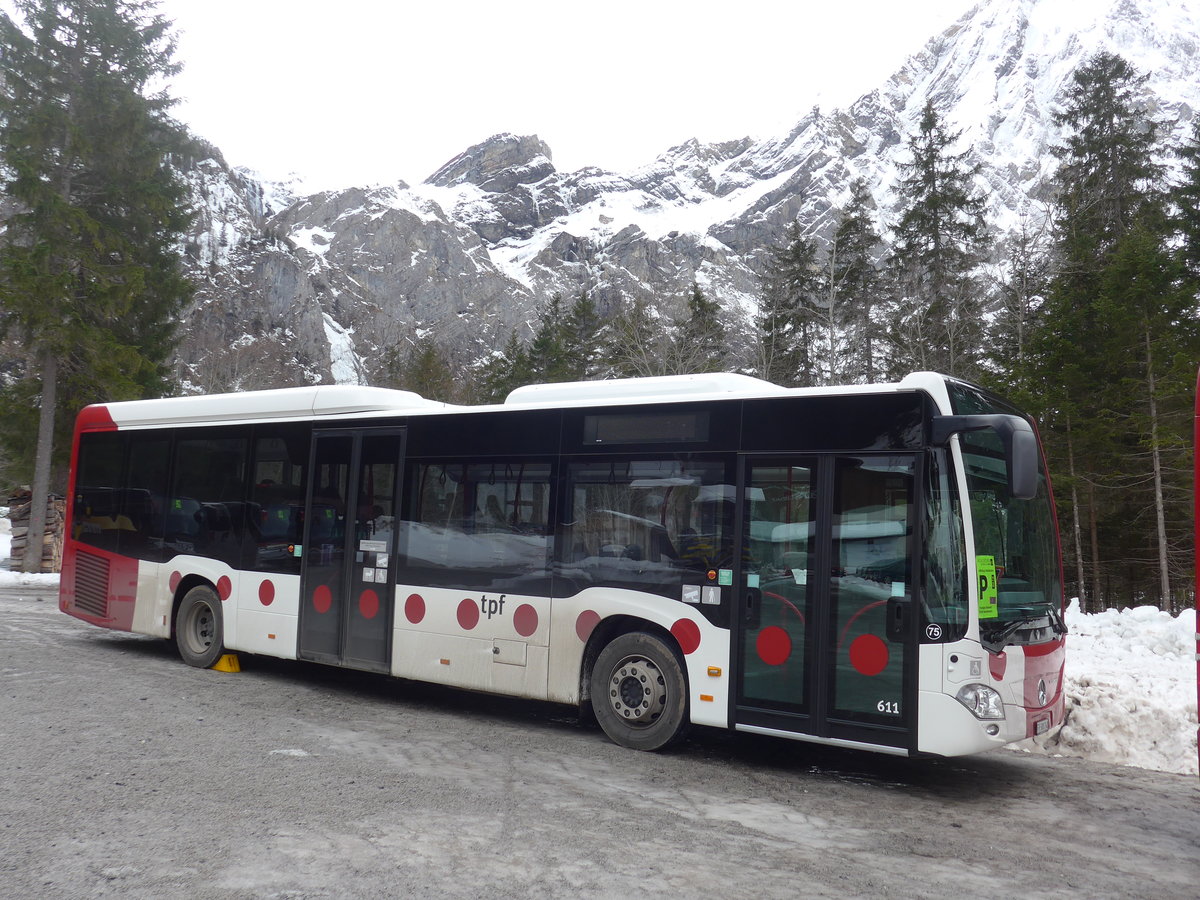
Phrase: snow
(315, 240)
(343, 361)
(1131, 689)
(1130, 683)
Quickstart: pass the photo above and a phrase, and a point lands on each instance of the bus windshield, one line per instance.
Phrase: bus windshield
(1015, 539)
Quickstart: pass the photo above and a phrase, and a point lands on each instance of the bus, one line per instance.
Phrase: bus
(872, 567)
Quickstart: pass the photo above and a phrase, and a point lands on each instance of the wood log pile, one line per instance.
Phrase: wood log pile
(52, 543)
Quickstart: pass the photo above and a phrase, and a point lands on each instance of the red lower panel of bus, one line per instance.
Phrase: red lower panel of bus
(98, 587)
(1044, 701)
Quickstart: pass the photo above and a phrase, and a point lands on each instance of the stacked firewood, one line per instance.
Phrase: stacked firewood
(52, 542)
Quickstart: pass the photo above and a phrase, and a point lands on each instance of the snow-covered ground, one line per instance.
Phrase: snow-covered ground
(1131, 683)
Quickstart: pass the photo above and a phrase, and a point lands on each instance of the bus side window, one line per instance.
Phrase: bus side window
(275, 513)
(478, 526)
(209, 483)
(653, 524)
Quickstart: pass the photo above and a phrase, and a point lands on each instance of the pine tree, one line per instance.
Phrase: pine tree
(789, 314)
(855, 291)
(425, 368)
(505, 372)
(582, 348)
(89, 273)
(1145, 299)
(1104, 350)
(1022, 291)
(547, 350)
(1186, 198)
(699, 341)
(938, 244)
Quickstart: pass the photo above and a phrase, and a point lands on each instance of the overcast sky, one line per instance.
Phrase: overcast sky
(352, 92)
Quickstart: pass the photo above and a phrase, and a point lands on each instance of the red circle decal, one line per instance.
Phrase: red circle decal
(266, 593)
(687, 633)
(525, 620)
(322, 599)
(414, 608)
(869, 654)
(368, 604)
(224, 587)
(176, 577)
(586, 624)
(468, 614)
(774, 645)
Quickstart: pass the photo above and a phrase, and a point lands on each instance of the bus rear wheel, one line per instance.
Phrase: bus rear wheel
(639, 693)
(199, 628)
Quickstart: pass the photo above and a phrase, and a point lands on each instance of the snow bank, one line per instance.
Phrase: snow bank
(1131, 689)
(7, 577)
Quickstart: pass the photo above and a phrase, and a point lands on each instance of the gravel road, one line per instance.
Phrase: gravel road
(129, 774)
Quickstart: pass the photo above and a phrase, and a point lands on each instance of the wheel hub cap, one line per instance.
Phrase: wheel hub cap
(636, 691)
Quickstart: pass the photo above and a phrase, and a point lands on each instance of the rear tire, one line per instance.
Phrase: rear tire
(639, 692)
(199, 627)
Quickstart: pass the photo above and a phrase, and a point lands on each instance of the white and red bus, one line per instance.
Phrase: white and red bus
(874, 567)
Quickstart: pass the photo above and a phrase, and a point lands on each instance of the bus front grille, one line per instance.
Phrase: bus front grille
(91, 584)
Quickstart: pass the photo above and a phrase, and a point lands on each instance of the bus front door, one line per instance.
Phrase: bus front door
(825, 633)
(348, 575)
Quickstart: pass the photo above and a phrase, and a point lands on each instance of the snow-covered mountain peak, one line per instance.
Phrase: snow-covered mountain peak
(498, 164)
(470, 254)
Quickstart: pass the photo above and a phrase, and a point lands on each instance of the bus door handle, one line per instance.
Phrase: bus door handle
(897, 618)
(753, 604)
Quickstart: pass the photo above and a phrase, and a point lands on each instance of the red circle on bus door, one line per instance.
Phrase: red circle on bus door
(266, 593)
(414, 608)
(869, 654)
(687, 633)
(774, 645)
(468, 614)
(525, 620)
(368, 604)
(224, 587)
(322, 599)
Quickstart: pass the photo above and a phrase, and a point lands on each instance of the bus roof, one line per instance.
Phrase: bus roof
(321, 401)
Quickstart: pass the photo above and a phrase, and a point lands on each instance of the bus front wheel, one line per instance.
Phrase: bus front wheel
(639, 693)
(199, 631)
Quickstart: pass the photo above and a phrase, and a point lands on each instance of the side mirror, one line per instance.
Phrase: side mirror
(1020, 446)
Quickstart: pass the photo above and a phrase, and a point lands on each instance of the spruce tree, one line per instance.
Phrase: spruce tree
(425, 368)
(506, 371)
(582, 348)
(789, 314)
(700, 341)
(939, 242)
(90, 279)
(1103, 353)
(1022, 291)
(855, 291)
(1186, 198)
(547, 350)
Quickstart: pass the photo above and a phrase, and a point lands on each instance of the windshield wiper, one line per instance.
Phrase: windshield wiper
(1000, 639)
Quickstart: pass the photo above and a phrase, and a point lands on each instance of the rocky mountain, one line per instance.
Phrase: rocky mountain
(303, 289)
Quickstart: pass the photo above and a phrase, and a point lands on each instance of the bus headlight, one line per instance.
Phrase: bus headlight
(981, 700)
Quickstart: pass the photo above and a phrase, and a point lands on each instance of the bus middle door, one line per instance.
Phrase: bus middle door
(349, 570)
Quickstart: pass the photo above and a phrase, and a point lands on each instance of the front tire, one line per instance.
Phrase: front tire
(639, 692)
(199, 627)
